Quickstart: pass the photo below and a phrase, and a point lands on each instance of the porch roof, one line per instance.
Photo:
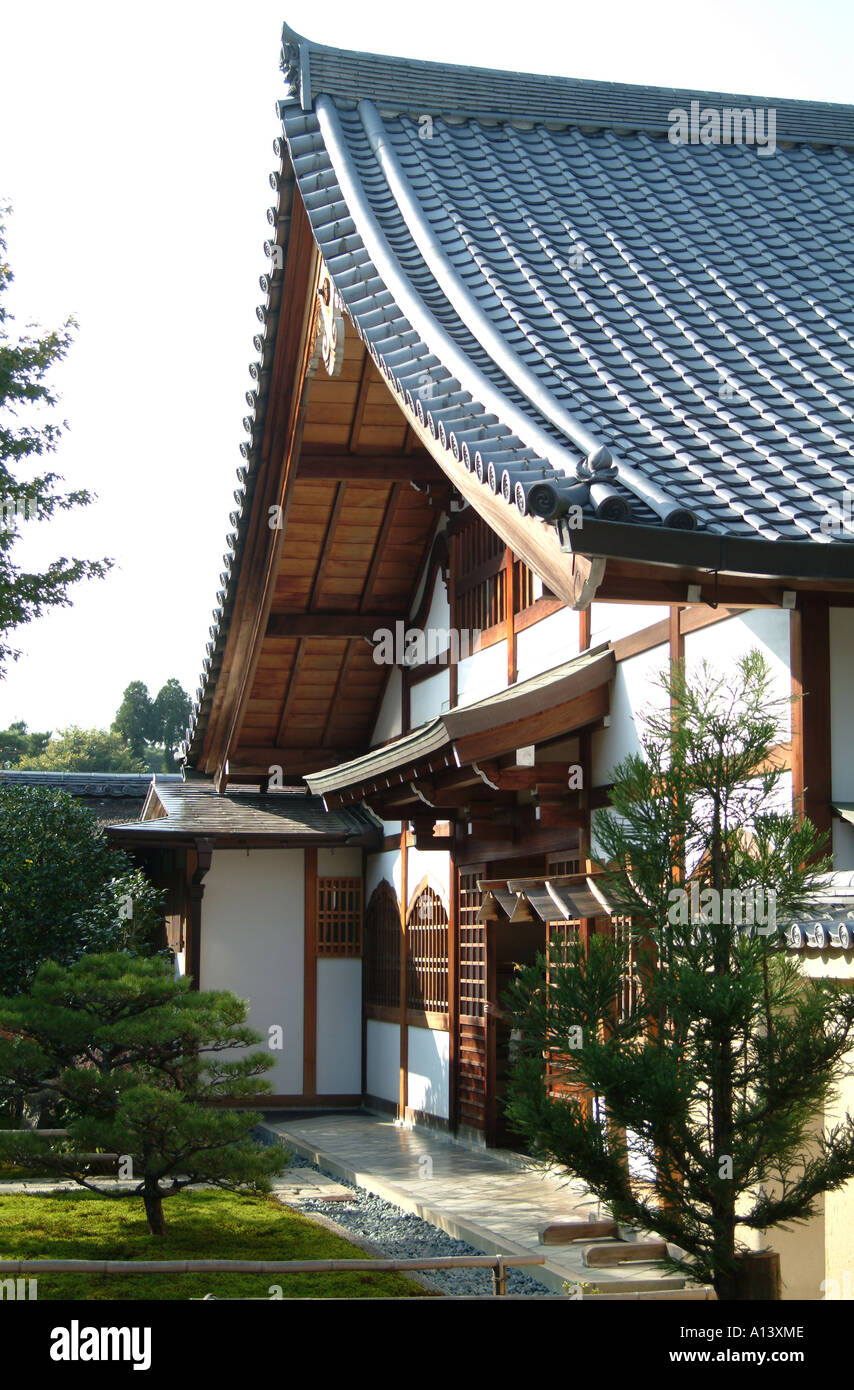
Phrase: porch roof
(189, 811)
(553, 703)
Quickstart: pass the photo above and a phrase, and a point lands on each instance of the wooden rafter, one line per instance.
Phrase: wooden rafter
(326, 547)
(361, 401)
(379, 549)
(299, 657)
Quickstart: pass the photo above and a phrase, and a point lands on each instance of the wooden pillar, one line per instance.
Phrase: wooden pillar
(309, 1026)
(195, 893)
(509, 615)
(585, 623)
(811, 751)
(453, 985)
(403, 1097)
(453, 557)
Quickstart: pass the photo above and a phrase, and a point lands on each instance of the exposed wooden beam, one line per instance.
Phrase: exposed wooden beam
(326, 624)
(349, 468)
(293, 761)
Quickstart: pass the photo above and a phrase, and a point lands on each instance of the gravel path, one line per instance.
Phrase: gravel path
(404, 1236)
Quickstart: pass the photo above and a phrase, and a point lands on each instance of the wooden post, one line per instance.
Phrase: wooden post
(509, 627)
(403, 1097)
(309, 1030)
(811, 762)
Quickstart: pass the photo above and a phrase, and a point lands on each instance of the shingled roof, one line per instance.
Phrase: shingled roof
(581, 311)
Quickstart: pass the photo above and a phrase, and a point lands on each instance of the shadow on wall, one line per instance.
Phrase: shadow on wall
(429, 1072)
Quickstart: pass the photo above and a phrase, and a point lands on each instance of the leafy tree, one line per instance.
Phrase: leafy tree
(25, 362)
(17, 742)
(134, 1057)
(63, 890)
(135, 719)
(83, 750)
(716, 1076)
(171, 716)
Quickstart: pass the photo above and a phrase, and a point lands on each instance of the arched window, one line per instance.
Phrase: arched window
(427, 953)
(382, 948)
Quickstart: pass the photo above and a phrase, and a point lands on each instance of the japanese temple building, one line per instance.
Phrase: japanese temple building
(541, 399)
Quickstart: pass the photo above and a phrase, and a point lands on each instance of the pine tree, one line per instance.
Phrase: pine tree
(133, 1058)
(713, 1073)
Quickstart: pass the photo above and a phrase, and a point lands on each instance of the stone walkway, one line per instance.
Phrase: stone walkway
(493, 1201)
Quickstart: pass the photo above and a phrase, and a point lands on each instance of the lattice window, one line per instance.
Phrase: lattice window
(427, 954)
(524, 587)
(479, 580)
(382, 949)
(621, 928)
(565, 861)
(472, 964)
(339, 916)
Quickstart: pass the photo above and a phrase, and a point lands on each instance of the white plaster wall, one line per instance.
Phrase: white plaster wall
(547, 643)
(253, 926)
(841, 718)
(432, 864)
(379, 866)
(723, 643)
(383, 1060)
(388, 723)
(633, 691)
(344, 861)
(438, 614)
(429, 1071)
(429, 698)
(483, 674)
(339, 1027)
(611, 621)
(180, 964)
(843, 843)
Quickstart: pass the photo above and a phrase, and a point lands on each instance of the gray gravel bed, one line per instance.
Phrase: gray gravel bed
(404, 1236)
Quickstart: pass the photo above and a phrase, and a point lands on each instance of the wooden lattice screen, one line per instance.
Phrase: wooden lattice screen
(339, 916)
(427, 954)
(479, 585)
(472, 966)
(621, 928)
(382, 949)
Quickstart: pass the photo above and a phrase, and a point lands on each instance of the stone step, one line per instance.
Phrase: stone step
(565, 1232)
(304, 1185)
(625, 1252)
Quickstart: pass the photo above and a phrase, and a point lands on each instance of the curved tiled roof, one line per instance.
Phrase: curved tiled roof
(578, 309)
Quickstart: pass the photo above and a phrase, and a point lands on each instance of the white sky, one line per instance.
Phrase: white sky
(135, 146)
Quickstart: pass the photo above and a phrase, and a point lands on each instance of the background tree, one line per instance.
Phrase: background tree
(83, 750)
(135, 720)
(25, 362)
(18, 742)
(716, 1077)
(171, 716)
(63, 891)
(133, 1057)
